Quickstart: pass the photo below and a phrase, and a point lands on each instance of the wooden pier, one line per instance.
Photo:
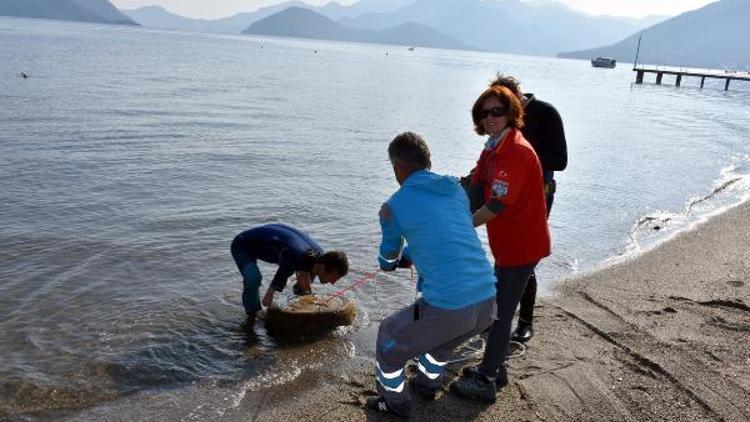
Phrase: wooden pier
(728, 76)
(679, 73)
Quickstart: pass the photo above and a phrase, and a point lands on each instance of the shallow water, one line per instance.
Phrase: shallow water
(130, 159)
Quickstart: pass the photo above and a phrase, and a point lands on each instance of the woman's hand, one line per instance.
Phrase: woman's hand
(482, 216)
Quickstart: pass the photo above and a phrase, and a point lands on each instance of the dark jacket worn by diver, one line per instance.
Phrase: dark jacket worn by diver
(279, 244)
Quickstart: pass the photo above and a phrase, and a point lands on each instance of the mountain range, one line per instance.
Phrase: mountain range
(715, 36)
(509, 26)
(99, 11)
(158, 17)
(303, 23)
(540, 26)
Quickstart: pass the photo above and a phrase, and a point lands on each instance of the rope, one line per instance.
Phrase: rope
(476, 353)
(367, 277)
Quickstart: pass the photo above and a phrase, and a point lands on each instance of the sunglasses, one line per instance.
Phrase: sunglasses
(494, 112)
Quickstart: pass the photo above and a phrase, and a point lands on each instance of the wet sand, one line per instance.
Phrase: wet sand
(660, 337)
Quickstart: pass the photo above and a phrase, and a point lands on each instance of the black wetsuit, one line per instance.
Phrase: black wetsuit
(278, 244)
(543, 128)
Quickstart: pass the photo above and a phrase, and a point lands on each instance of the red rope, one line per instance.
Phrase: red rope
(367, 277)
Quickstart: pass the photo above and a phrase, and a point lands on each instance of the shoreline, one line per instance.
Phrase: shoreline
(659, 336)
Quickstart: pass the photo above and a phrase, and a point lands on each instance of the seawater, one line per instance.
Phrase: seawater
(130, 158)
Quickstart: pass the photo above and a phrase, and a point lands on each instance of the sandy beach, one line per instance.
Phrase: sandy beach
(661, 337)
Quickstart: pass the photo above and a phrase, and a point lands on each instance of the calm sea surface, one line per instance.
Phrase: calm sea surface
(130, 158)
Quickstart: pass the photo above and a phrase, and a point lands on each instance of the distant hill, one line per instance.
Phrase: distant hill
(158, 17)
(644, 22)
(336, 11)
(716, 36)
(512, 26)
(105, 10)
(303, 23)
(99, 11)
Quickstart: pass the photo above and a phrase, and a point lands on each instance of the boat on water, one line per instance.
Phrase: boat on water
(606, 62)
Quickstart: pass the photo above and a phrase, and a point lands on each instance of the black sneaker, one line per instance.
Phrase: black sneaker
(523, 333)
(423, 391)
(475, 386)
(378, 404)
(501, 380)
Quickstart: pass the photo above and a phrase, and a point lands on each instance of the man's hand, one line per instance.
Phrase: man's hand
(304, 284)
(404, 262)
(268, 298)
(385, 212)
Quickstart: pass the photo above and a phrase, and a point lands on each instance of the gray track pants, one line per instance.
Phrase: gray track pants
(511, 283)
(429, 334)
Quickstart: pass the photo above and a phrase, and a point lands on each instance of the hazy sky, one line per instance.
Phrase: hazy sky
(223, 8)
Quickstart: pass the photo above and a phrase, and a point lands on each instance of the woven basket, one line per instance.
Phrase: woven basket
(309, 315)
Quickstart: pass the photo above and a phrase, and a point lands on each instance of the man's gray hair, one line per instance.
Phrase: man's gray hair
(411, 150)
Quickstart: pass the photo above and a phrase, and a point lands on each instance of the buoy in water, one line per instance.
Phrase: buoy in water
(309, 315)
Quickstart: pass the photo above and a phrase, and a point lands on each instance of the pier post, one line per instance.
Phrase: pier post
(639, 77)
(726, 86)
(658, 78)
(703, 81)
(679, 79)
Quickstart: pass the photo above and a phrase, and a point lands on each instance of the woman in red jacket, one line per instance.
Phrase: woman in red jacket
(509, 176)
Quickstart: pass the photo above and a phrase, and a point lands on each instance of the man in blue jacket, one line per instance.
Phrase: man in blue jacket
(430, 213)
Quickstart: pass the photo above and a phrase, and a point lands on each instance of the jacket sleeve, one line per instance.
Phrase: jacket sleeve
(554, 149)
(392, 241)
(286, 270)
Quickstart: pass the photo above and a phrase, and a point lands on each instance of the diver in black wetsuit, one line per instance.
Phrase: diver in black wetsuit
(294, 252)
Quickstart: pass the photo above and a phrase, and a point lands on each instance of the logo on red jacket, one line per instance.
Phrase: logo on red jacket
(499, 188)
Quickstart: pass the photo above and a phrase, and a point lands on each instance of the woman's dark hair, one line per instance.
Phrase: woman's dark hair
(335, 261)
(509, 82)
(411, 150)
(508, 99)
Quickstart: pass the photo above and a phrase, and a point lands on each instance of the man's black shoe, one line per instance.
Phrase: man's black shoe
(423, 391)
(524, 332)
(475, 386)
(378, 404)
(500, 381)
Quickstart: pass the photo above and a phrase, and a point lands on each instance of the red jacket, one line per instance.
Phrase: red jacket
(511, 174)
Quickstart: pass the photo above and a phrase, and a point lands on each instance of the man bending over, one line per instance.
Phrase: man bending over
(293, 251)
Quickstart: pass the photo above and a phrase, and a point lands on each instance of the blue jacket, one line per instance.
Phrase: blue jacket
(431, 213)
